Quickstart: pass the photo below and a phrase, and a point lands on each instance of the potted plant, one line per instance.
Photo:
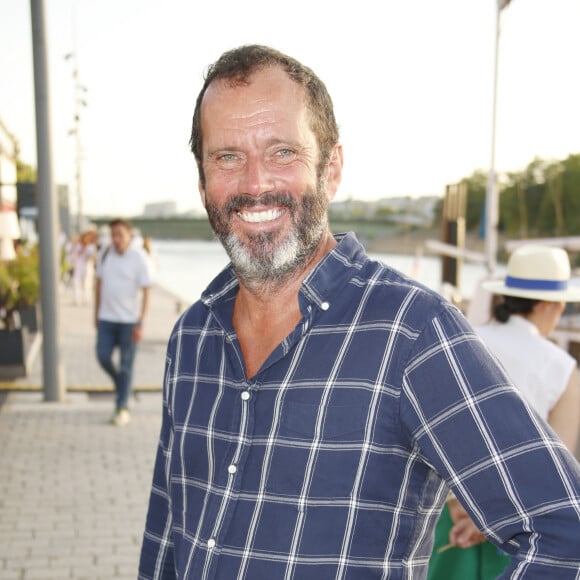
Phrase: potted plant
(19, 293)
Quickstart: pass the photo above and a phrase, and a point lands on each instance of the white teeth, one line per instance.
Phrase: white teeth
(256, 217)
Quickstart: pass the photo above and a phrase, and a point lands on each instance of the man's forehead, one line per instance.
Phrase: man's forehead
(272, 79)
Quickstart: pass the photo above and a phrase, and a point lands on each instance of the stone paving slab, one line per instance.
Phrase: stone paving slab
(74, 489)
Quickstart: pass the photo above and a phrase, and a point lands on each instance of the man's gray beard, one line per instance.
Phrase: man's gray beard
(273, 263)
(266, 262)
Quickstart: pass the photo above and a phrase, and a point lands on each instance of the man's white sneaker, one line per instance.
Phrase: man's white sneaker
(121, 418)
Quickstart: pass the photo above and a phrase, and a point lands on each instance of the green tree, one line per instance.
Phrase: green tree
(543, 200)
(475, 203)
(25, 173)
(571, 194)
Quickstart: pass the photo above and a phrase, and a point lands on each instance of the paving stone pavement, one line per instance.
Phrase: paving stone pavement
(74, 489)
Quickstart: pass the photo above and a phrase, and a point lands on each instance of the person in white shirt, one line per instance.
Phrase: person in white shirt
(122, 275)
(83, 260)
(534, 295)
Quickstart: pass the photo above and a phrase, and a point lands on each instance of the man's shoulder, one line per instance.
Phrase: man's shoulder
(191, 322)
(134, 256)
(389, 284)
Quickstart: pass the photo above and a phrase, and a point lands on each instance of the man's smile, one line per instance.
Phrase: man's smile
(261, 216)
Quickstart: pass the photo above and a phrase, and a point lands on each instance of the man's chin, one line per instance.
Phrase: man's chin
(263, 257)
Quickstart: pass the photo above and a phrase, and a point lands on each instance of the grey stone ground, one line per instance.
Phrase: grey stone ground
(73, 489)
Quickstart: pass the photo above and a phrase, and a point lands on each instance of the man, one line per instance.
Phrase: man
(122, 274)
(318, 404)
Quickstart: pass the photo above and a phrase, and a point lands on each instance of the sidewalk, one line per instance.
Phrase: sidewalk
(73, 489)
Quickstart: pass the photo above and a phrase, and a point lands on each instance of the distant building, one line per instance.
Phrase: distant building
(160, 209)
(8, 176)
(351, 209)
(418, 211)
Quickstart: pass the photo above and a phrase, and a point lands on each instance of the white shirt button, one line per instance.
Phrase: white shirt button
(232, 469)
(245, 395)
(325, 306)
(211, 543)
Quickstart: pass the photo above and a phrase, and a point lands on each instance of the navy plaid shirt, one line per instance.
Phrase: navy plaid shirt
(333, 461)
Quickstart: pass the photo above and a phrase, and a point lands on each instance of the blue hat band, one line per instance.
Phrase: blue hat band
(530, 284)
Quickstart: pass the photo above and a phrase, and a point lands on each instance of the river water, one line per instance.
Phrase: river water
(185, 267)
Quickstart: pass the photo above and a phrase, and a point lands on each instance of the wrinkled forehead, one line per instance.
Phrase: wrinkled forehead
(268, 102)
(269, 82)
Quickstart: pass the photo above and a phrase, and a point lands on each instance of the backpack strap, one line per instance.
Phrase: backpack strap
(105, 254)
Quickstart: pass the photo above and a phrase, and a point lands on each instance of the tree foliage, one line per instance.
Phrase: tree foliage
(475, 204)
(542, 200)
(25, 173)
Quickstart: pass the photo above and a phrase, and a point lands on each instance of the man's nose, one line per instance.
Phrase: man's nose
(256, 179)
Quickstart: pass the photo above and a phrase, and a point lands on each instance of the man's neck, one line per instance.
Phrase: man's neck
(263, 317)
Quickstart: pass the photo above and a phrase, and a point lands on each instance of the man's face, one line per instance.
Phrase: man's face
(264, 197)
(121, 238)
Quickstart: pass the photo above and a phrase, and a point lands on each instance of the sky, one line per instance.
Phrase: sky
(411, 81)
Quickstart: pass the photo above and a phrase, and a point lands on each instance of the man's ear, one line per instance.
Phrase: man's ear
(201, 190)
(333, 172)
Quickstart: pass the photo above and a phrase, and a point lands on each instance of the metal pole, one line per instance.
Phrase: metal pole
(78, 88)
(52, 366)
(80, 210)
(491, 196)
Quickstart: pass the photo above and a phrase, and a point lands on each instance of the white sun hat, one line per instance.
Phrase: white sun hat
(538, 273)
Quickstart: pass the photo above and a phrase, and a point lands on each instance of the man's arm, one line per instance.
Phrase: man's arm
(138, 330)
(97, 300)
(516, 480)
(565, 416)
(156, 562)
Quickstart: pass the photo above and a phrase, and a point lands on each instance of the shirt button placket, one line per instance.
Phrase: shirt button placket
(232, 467)
(245, 396)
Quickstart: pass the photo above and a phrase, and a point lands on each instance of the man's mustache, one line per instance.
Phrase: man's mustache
(243, 201)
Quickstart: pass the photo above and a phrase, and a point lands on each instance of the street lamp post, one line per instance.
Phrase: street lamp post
(491, 196)
(492, 191)
(52, 365)
(79, 102)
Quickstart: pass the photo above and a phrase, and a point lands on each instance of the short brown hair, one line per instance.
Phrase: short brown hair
(239, 64)
(121, 222)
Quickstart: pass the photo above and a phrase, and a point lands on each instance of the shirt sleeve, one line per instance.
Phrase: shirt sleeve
(515, 478)
(156, 562)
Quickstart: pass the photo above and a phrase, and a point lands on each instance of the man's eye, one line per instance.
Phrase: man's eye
(227, 157)
(284, 155)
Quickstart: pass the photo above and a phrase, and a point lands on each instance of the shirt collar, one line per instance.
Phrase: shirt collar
(523, 323)
(333, 271)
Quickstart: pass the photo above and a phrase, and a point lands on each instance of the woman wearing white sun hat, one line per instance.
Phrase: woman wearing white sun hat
(535, 291)
(534, 294)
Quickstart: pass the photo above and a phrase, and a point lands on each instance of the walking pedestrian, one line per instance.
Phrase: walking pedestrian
(83, 265)
(121, 299)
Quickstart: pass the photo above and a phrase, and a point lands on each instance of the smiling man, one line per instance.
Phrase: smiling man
(262, 183)
(318, 405)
